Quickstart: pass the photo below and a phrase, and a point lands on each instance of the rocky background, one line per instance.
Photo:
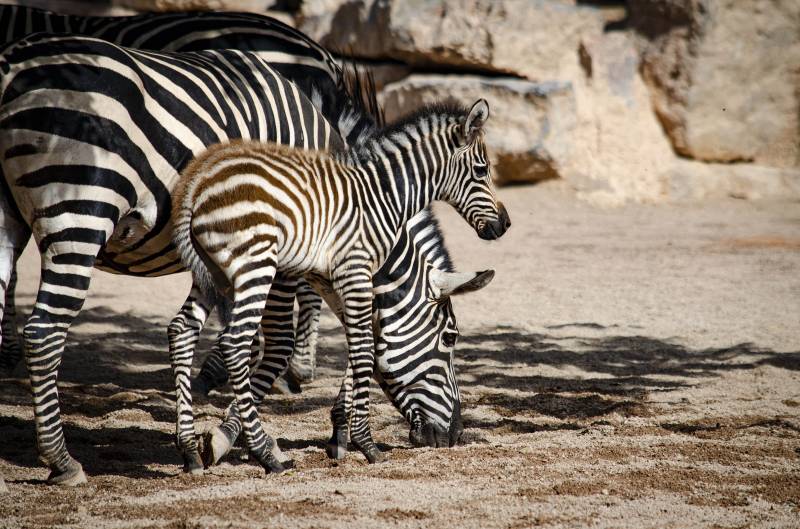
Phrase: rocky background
(643, 101)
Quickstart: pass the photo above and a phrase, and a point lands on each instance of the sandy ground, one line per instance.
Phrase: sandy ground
(636, 367)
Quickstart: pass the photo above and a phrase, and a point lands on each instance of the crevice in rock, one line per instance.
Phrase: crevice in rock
(433, 68)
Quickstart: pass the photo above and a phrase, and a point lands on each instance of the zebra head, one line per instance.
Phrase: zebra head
(416, 332)
(468, 181)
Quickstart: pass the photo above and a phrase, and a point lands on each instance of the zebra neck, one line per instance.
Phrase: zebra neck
(403, 175)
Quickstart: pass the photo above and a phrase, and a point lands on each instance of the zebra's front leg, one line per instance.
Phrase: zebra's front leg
(184, 332)
(353, 283)
(304, 359)
(278, 336)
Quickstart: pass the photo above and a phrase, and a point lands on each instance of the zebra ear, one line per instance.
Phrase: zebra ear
(476, 118)
(455, 283)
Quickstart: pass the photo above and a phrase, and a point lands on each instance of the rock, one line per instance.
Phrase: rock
(506, 36)
(256, 6)
(382, 73)
(694, 181)
(725, 76)
(3, 488)
(529, 125)
(620, 148)
(75, 7)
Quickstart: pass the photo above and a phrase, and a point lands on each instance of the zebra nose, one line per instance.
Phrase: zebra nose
(503, 214)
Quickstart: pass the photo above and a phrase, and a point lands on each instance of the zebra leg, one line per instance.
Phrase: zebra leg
(184, 332)
(304, 360)
(278, 334)
(14, 235)
(250, 297)
(213, 374)
(337, 445)
(353, 283)
(62, 291)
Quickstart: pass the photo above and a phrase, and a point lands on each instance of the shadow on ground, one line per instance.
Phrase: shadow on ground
(577, 379)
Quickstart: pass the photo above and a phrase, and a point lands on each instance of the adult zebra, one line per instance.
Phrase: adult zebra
(245, 210)
(290, 52)
(73, 152)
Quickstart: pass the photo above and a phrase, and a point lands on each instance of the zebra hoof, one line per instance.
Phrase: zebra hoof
(200, 387)
(375, 456)
(337, 445)
(283, 386)
(335, 451)
(273, 466)
(215, 446)
(71, 477)
(278, 454)
(192, 463)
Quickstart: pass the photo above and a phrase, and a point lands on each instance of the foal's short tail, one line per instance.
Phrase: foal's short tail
(193, 256)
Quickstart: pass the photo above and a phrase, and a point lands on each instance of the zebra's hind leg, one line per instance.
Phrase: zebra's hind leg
(213, 374)
(14, 235)
(184, 332)
(278, 334)
(62, 290)
(304, 359)
(11, 349)
(352, 281)
(337, 445)
(251, 289)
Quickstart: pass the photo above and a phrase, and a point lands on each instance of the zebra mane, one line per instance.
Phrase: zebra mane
(359, 86)
(365, 149)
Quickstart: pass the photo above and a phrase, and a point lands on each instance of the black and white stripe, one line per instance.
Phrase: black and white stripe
(247, 210)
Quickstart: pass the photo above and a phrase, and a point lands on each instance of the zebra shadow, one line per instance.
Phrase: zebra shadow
(524, 381)
(116, 450)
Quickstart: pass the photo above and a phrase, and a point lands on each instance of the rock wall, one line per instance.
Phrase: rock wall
(644, 100)
(725, 76)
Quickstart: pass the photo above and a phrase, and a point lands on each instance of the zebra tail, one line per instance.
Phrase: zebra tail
(199, 264)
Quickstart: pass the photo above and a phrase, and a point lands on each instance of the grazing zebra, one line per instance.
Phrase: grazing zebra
(287, 50)
(416, 333)
(75, 155)
(245, 210)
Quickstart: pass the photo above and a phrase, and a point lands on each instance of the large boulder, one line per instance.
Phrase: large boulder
(507, 36)
(725, 76)
(528, 132)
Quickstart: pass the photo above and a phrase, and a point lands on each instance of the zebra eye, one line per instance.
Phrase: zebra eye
(480, 171)
(449, 339)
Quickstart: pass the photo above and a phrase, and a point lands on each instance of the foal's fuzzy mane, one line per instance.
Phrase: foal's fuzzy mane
(447, 109)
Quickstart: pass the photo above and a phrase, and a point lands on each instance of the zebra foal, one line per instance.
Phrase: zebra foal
(245, 210)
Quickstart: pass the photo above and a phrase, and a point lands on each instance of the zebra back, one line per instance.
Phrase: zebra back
(293, 54)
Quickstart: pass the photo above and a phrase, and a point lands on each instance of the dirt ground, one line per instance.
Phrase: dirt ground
(635, 367)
